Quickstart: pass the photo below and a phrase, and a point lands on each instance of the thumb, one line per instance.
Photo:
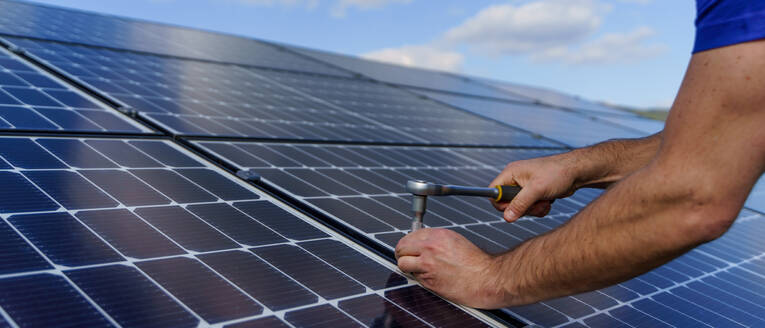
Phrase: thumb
(521, 203)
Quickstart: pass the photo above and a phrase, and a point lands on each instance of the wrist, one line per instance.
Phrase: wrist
(501, 285)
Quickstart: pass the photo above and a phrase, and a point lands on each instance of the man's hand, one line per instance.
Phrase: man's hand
(450, 265)
(543, 180)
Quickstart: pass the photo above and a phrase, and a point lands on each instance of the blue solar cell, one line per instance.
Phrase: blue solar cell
(125, 188)
(25, 118)
(605, 321)
(204, 292)
(665, 314)
(351, 215)
(185, 229)
(217, 184)
(4, 165)
(70, 189)
(309, 271)
(14, 65)
(11, 80)
(431, 308)
(129, 234)
(349, 261)
(17, 255)
(6, 99)
(174, 186)
(72, 99)
(68, 120)
(719, 306)
(322, 316)
(636, 318)
(236, 224)
(596, 300)
(46, 300)
(24, 153)
(123, 154)
(375, 311)
(75, 153)
(107, 120)
(64, 240)
(570, 307)
(269, 286)
(280, 220)
(267, 322)
(165, 154)
(19, 195)
(694, 311)
(39, 80)
(130, 298)
(32, 97)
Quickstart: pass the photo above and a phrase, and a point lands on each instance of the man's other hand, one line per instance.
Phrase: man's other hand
(450, 265)
(543, 180)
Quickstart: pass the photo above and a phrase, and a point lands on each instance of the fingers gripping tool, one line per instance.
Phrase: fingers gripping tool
(421, 190)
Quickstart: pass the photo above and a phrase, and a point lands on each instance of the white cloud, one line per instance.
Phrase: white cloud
(424, 56)
(609, 49)
(534, 26)
(341, 6)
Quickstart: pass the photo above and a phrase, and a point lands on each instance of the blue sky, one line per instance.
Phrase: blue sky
(631, 52)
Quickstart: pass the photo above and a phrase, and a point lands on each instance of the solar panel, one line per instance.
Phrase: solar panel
(59, 24)
(571, 128)
(171, 240)
(756, 198)
(31, 99)
(412, 76)
(203, 99)
(646, 125)
(369, 198)
(555, 98)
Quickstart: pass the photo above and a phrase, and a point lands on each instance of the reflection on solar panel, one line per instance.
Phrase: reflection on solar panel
(414, 77)
(363, 188)
(30, 99)
(52, 23)
(122, 231)
(171, 241)
(556, 99)
(572, 128)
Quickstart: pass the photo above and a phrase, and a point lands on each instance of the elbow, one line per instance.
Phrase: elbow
(707, 217)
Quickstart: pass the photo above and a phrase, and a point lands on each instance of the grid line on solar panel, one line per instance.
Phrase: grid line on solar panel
(394, 165)
(117, 254)
(67, 25)
(31, 99)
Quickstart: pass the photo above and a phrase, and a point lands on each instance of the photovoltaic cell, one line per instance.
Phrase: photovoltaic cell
(322, 279)
(125, 188)
(269, 286)
(18, 256)
(185, 229)
(267, 322)
(375, 311)
(330, 318)
(64, 240)
(19, 195)
(174, 185)
(236, 224)
(130, 298)
(70, 189)
(129, 234)
(47, 300)
(203, 291)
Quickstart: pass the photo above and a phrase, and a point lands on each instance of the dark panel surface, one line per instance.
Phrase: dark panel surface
(130, 298)
(200, 289)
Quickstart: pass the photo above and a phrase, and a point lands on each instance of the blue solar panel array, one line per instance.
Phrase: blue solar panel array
(129, 229)
(141, 233)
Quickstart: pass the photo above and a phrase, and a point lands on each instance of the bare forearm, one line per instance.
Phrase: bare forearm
(600, 165)
(638, 225)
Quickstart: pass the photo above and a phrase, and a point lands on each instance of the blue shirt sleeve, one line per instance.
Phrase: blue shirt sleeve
(722, 23)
